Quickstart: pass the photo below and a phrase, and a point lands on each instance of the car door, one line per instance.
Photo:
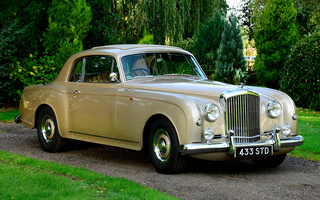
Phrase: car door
(92, 103)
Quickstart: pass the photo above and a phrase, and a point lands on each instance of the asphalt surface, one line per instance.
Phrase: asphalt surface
(294, 179)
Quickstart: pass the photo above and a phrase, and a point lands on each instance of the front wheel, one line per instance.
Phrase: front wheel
(269, 162)
(48, 133)
(163, 148)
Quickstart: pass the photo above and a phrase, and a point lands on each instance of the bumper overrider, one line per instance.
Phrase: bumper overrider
(229, 146)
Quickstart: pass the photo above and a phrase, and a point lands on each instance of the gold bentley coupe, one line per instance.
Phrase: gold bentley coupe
(158, 98)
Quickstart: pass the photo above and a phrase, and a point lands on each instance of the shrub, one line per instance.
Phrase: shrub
(301, 77)
(32, 71)
(231, 66)
(187, 44)
(275, 35)
(69, 23)
(11, 33)
(208, 41)
(147, 38)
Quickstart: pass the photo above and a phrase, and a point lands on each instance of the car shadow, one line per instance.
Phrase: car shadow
(141, 158)
(226, 167)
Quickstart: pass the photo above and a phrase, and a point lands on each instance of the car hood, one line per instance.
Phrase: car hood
(198, 87)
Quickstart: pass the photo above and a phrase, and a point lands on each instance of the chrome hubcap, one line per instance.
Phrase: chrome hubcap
(162, 145)
(47, 128)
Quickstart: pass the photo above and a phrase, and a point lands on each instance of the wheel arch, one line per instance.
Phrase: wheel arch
(147, 127)
(44, 105)
(39, 108)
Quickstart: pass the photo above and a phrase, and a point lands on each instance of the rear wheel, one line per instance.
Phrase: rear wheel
(163, 148)
(268, 162)
(48, 133)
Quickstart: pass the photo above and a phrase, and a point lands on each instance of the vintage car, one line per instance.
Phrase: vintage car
(158, 98)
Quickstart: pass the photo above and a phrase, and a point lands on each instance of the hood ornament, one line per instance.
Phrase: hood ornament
(241, 85)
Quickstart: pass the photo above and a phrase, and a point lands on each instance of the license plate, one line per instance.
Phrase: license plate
(253, 151)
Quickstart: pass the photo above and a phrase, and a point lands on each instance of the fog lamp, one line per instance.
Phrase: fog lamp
(208, 134)
(286, 129)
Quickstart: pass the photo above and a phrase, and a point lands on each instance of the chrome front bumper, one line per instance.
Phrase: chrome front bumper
(229, 146)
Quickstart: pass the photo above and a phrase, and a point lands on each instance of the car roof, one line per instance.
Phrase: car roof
(135, 46)
(117, 51)
(120, 50)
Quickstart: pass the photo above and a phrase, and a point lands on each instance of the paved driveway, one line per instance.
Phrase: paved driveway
(294, 179)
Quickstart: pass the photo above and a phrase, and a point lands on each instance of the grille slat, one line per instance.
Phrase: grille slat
(242, 116)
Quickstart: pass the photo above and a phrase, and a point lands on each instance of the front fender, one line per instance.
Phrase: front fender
(136, 107)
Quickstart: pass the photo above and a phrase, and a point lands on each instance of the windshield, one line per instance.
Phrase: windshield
(160, 64)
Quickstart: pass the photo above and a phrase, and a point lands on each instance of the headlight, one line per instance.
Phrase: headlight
(274, 109)
(211, 112)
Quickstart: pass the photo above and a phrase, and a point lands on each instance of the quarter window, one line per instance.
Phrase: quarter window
(94, 69)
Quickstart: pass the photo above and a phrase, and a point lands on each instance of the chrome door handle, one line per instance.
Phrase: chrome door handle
(76, 91)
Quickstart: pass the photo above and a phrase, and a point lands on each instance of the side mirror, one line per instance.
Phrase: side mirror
(113, 77)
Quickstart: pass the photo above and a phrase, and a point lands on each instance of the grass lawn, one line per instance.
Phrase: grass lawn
(26, 178)
(309, 128)
(7, 115)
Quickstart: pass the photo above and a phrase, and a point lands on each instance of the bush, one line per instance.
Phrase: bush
(187, 44)
(32, 71)
(147, 38)
(301, 77)
(10, 34)
(231, 66)
(275, 35)
(208, 41)
(69, 23)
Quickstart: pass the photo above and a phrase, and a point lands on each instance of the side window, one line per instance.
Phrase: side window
(94, 69)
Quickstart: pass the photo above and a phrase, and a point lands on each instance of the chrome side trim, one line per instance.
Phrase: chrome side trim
(111, 138)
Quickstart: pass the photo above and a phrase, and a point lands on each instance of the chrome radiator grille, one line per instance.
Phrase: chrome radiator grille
(242, 116)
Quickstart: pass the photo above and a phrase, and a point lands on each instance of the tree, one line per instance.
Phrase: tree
(22, 23)
(69, 23)
(301, 77)
(11, 33)
(231, 67)
(275, 35)
(208, 41)
(103, 24)
(246, 20)
(308, 16)
(170, 21)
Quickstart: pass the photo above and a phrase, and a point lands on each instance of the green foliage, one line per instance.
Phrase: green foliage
(10, 34)
(301, 77)
(231, 67)
(208, 41)
(22, 23)
(32, 71)
(245, 18)
(275, 35)
(103, 22)
(69, 23)
(308, 16)
(147, 38)
(171, 21)
(187, 44)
